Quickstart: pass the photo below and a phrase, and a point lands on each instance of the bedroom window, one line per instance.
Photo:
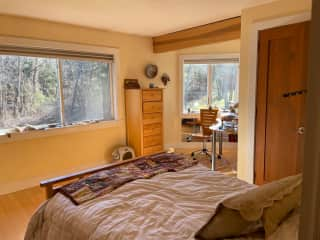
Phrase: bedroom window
(209, 82)
(41, 88)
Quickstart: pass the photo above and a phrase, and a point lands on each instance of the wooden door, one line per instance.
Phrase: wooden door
(280, 109)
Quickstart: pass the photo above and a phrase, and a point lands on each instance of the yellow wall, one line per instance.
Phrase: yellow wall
(24, 163)
(169, 62)
(248, 18)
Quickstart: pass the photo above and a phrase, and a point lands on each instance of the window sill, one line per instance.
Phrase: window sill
(19, 136)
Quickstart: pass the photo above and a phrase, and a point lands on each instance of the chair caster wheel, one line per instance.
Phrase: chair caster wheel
(219, 157)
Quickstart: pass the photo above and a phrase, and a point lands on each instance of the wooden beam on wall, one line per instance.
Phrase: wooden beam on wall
(220, 31)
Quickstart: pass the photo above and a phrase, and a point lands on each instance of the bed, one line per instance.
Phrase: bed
(172, 205)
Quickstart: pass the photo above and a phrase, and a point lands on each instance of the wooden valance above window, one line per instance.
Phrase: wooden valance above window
(220, 31)
(55, 53)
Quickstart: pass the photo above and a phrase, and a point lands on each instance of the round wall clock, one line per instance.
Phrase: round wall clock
(151, 70)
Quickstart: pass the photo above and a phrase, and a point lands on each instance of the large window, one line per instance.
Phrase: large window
(210, 82)
(53, 89)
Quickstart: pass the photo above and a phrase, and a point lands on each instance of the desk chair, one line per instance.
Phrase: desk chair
(208, 117)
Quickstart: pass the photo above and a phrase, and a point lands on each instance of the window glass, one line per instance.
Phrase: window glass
(195, 87)
(224, 85)
(207, 84)
(29, 91)
(86, 91)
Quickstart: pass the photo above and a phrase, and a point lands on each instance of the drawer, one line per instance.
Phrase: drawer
(149, 118)
(153, 149)
(151, 107)
(151, 95)
(153, 140)
(152, 129)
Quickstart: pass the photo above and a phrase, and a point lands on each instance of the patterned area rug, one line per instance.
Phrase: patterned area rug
(106, 181)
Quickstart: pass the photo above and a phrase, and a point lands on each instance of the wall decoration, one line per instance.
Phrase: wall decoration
(165, 79)
(151, 70)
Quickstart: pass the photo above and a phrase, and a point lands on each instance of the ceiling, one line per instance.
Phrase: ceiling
(141, 17)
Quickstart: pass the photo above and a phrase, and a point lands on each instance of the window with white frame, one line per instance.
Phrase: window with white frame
(43, 88)
(209, 82)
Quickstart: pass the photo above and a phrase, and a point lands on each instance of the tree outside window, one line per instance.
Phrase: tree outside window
(53, 91)
(210, 84)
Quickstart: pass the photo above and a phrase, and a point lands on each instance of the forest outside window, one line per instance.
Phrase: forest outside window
(210, 82)
(53, 90)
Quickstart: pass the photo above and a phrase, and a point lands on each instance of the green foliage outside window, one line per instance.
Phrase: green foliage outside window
(30, 91)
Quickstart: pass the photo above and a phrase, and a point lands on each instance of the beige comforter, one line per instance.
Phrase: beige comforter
(168, 206)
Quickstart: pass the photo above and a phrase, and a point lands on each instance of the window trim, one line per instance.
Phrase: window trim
(35, 43)
(190, 57)
(19, 136)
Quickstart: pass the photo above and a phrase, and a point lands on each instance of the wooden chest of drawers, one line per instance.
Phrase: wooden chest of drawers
(144, 111)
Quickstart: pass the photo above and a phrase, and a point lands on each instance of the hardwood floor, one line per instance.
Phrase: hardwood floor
(228, 163)
(17, 208)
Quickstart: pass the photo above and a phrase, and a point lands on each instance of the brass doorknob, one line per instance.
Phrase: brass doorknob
(301, 130)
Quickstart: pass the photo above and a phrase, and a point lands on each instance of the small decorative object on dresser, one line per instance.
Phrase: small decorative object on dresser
(144, 109)
(151, 70)
(151, 85)
(131, 84)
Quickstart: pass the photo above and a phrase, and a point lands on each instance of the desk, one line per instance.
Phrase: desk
(216, 129)
(192, 120)
(217, 133)
(228, 121)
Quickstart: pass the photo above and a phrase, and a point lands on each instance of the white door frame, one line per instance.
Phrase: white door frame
(253, 61)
